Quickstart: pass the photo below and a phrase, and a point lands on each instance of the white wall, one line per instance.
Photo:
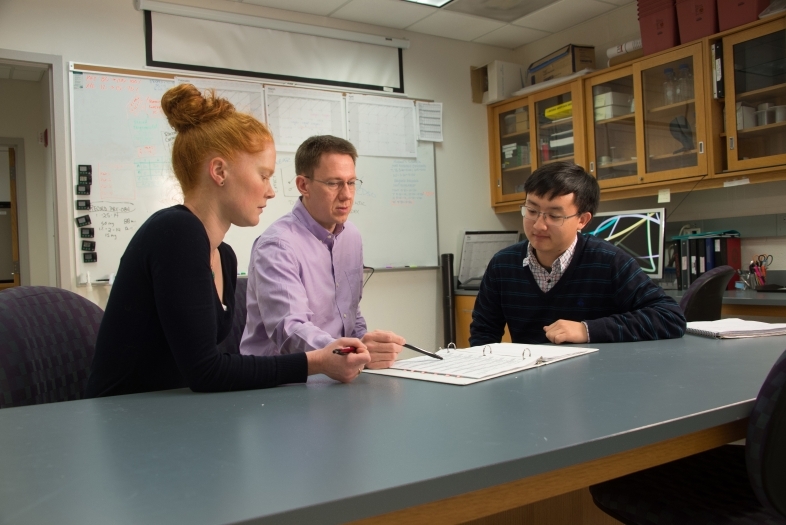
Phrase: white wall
(22, 117)
(111, 33)
(604, 31)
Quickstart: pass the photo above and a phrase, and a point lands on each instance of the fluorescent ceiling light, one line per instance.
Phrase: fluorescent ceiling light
(432, 3)
(267, 23)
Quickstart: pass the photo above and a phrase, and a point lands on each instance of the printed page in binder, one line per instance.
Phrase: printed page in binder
(479, 363)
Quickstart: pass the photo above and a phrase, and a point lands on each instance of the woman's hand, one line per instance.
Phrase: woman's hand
(342, 368)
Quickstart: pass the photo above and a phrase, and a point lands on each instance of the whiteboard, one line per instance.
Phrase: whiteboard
(118, 128)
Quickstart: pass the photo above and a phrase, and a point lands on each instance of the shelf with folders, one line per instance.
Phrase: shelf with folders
(555, 129)
(515, 162)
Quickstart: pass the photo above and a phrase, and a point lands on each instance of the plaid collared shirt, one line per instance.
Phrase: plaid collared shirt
(545, 279)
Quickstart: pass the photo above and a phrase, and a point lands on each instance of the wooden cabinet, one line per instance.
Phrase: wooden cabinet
(511, 150)
(464, 305)
(532, 131)
(754, 63)
(673, 124)
(653, 123)
(612, 145)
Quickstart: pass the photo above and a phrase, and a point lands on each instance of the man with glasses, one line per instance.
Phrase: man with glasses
(306, 272)
(560, 286)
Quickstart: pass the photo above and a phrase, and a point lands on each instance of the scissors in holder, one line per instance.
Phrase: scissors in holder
(764, 261)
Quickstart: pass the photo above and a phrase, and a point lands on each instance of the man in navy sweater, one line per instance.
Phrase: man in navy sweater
(561, 286)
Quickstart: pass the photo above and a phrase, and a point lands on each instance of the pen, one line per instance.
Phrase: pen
(345, 350)
(416, 349)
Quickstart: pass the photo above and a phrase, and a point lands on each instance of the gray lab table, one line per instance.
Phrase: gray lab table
(329, 453)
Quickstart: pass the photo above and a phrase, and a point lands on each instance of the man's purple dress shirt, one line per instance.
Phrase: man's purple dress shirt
(304, 286)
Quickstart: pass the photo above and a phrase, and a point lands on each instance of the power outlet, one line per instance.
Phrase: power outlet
(780, 224)
(693, 231)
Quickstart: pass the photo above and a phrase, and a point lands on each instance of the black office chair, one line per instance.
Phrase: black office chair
(703, 300)
(231, 344)
(47, 342)
(714, 487)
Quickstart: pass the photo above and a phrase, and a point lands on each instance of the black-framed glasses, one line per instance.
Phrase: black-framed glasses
(337, 185)
(550, 219)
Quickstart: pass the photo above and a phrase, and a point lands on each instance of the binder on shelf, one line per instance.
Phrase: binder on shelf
(684, 264)
(709, 250)
(701, 256)
(701, 252)
(694, 260)
(733, 258)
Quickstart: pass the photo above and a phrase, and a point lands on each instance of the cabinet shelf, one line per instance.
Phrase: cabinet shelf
(670, 107)
(768, 91)
(672, 155)
(559, 159)
(617, 164)
(558, 123)
(759, 130)
(517, 134)
(517, 168)
(621, 118)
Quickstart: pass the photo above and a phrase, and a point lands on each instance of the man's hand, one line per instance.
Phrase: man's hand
(383, 347)
(342, 368)
(564, 331)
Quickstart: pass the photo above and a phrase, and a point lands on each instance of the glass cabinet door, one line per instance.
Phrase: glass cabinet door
(755, 71)
(611, 110)
(515, 163)
(672, 95)
(554, 117)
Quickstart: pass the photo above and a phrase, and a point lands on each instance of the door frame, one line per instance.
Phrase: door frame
(14, 221)
(64, 251)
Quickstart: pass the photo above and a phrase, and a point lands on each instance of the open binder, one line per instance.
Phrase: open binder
(478, 363)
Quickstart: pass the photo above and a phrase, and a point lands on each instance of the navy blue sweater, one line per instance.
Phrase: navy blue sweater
(603, 286)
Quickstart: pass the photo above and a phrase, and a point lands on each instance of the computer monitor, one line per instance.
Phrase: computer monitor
(478, 249)
(638, 232)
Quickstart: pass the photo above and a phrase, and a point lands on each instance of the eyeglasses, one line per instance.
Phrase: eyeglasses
(337, 185)
(550, 219)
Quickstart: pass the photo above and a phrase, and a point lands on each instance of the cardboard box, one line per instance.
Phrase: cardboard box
(607, 112)
(612, 98)
(495, 81)
(561, 63)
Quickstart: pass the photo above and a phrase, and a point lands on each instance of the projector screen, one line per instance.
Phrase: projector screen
(195, 44)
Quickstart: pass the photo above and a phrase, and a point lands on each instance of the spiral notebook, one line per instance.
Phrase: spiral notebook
(478, 363)
(735, 328)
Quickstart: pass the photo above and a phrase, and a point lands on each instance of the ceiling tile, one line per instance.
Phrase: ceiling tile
(322, 7)
(455, 25)
(386, 13)
(511, 36)
(23, 73)
(5, 71)
(563, 14)
(502, 10)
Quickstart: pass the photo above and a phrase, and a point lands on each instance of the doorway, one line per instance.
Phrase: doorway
(9, 226)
